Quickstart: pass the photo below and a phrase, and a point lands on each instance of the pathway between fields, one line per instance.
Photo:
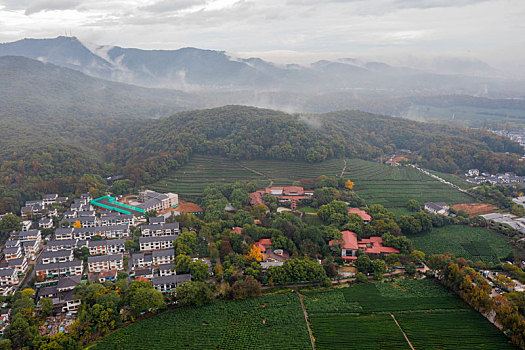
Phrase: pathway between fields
(308, 323)
(402, 331)
(344, 169)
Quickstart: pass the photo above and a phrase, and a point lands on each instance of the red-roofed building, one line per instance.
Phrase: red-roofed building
(372, 246)
(363, 214)
(237, 230)
(263, 244)
(290, 194)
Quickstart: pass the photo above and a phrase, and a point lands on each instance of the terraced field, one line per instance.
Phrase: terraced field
(376, 183)
(394, 186)
(472, 243)
(362, 317)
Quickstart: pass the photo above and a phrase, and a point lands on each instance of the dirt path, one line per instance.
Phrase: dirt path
(402, 331)
(308, 323)
(344, 169)
(254, 171)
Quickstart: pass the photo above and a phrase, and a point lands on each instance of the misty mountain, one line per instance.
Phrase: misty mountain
(193, 69)
(30, 88)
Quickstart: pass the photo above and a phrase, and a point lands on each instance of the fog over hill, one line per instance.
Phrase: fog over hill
(192, 69)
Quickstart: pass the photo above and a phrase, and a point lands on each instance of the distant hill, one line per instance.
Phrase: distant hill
(193, 69)
(32, 88)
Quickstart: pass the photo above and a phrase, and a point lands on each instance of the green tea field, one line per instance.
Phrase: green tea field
(472, 243)
(374, 182)
(269, 322)
(364, 317)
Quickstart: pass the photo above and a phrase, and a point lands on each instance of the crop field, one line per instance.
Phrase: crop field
(471, 243)
(425, 331)
(374, 182)
(268, 322)
(394, 186)
(360, 317)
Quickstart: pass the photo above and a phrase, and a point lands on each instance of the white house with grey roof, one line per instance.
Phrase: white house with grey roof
(8, 277)
(163, 256)
(107, 246)
(152, 200)
(156, 243)
(168, 284)
(61, 269)
(45, 223)
(160, 229)
(49, 257)
(441, 208)
(105, 263)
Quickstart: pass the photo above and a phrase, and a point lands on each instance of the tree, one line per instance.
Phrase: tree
(254, 254)
(77, 224)
(363, 263)
(120, 187)
(260, 210)
(194, 293)
(20, 332)
(349, 184)
(247, 288)
(186, 243)
(46, 305)
(10, 223)
(361, 278)
(413, 205)
(417, 256)
(182, 264)
(199, 271)
(145, 299)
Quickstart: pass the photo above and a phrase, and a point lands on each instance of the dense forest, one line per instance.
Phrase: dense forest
(49, 153)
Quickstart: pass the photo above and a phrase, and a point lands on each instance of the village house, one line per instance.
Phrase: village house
(48, 199)
(437, 208)
(141, 260)
(146, 273)
(19, 264)
(64, 233)
(291, 194)
(362, 214)
(160, 229)
(26, 225)
(8, 277)
(157, 220)
(13, 253)
(62, 294)
(117, 219)
(25, 236)
(107, 276)
(45, 223)
(111, 246)
(167, 269)
(62, 269)
(65, 244)
(49, 257)
(371, 246)
(88, 221)
(168, 284)
(30, 247)
(69, 215)
(105, 262)
(156, 243)
(163, 256)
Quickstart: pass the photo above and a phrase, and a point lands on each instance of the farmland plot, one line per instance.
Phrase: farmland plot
(268, 322)
(471, 243)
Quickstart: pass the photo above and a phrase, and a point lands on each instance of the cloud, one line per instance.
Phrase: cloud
(171, 6)
(51, 5)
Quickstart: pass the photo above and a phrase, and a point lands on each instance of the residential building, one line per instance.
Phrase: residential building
(350, 245)
(107, 276)
(105, 262)
(48, 199)
(30, 247)
(111, 246)
(437, 208)
(163, 256)
(152, 200)
(157, 220)
(168, 284)
(65, 244)
(160, 229)
(117, 219)
(362, 214)
(155, 243)
(8, 277)
(45, 223)
(13, 253)
(64, 233)
(291, 194)
(49, 257)
(61, 269)
(146, 273)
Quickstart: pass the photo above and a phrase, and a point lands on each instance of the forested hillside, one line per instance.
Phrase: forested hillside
(45, 153)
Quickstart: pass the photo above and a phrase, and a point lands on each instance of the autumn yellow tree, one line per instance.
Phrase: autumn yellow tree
(77, 224)
(254, 254)
(349, 184)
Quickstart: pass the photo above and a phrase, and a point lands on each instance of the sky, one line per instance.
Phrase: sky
(297, 31)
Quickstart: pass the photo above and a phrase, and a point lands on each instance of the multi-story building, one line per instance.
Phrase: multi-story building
(105, 262)
(160, 229)
(156, 243)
